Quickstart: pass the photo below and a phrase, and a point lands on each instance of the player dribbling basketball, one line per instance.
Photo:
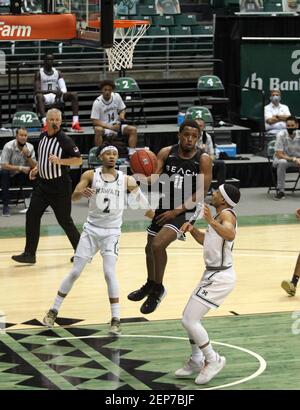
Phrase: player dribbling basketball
(176, 162)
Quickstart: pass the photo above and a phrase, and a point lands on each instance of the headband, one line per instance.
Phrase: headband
(108, 148)
(225, 196)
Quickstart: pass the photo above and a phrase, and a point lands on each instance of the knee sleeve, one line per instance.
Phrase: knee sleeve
(109, 268)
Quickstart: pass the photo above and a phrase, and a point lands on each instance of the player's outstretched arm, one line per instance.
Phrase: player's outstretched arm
(83, 187)
(139, 197)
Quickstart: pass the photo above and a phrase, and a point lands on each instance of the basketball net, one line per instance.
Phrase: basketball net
(120, 55)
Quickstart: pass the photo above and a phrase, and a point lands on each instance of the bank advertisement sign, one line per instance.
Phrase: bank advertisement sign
(268, 65)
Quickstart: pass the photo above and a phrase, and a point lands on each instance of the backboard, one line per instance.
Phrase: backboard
(87, 14)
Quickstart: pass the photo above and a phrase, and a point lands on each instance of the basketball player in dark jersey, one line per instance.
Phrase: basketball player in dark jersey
(183, 162)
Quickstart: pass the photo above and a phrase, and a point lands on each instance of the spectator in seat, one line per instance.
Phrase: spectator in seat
(17, 159)
(205, 142)
(276, 114)
(167, 7)
(50, 89)
(108, 116)
(287, 153)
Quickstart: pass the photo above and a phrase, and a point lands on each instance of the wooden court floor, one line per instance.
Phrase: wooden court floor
(263, 255)
(261, 346)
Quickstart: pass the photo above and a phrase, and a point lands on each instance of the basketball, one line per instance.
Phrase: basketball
(143, 162)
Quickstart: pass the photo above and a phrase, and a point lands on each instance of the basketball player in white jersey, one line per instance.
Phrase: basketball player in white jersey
(105, 187)
(108, 114)
(217, 282)
(50, 89)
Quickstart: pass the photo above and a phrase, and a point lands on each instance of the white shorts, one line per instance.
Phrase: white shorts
(108, 132)
(50, 98)
(214, 287)
(94, 239)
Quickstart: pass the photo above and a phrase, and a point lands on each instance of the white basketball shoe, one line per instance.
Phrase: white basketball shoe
(189, 368)
(210, 370)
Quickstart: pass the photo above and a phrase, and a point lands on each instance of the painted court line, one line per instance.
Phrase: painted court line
(236, 253)
(262, 363)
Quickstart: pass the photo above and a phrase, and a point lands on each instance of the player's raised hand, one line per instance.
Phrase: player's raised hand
(207, 214)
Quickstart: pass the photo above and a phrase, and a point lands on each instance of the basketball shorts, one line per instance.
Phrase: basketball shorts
(94, 239)
(174, 224)
(214, 287)
(109, 133)
(51, 98)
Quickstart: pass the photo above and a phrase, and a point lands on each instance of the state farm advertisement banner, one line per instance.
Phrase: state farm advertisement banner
(37, 27)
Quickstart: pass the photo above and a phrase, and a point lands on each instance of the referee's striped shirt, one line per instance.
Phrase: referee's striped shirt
(60, 145)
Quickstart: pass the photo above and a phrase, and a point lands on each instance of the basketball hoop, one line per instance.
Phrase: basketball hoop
(127, 34)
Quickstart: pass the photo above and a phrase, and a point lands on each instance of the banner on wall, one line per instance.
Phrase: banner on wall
(267, 65)
(37, 27)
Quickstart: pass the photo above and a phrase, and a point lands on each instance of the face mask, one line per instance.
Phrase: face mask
(291, 130)
(275, 98)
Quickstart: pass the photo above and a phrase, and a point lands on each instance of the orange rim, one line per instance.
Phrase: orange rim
(120, 23)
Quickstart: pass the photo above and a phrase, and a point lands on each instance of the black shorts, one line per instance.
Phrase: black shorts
(174, 224)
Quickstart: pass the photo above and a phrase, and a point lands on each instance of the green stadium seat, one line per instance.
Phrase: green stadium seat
(164, 20)
(148, 10)
(273, 5)
(131, 94)
(211, 92)
(185, 20)
(202, 29)
(197, 112)
(183, 44)
(26, 119)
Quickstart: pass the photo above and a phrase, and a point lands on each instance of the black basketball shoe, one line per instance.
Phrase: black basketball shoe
(141, 293)
(153, 300)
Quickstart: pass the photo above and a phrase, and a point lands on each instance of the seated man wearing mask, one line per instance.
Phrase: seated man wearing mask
(17, 159)
(276, 114)
(287, 153)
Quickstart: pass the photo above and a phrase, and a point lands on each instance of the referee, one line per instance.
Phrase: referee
(56, 152)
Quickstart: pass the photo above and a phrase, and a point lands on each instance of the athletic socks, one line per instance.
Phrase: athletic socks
(115, 310)
(197, 355)
(75, 119)
(209, 353)
(294, 280)
(57, 302)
